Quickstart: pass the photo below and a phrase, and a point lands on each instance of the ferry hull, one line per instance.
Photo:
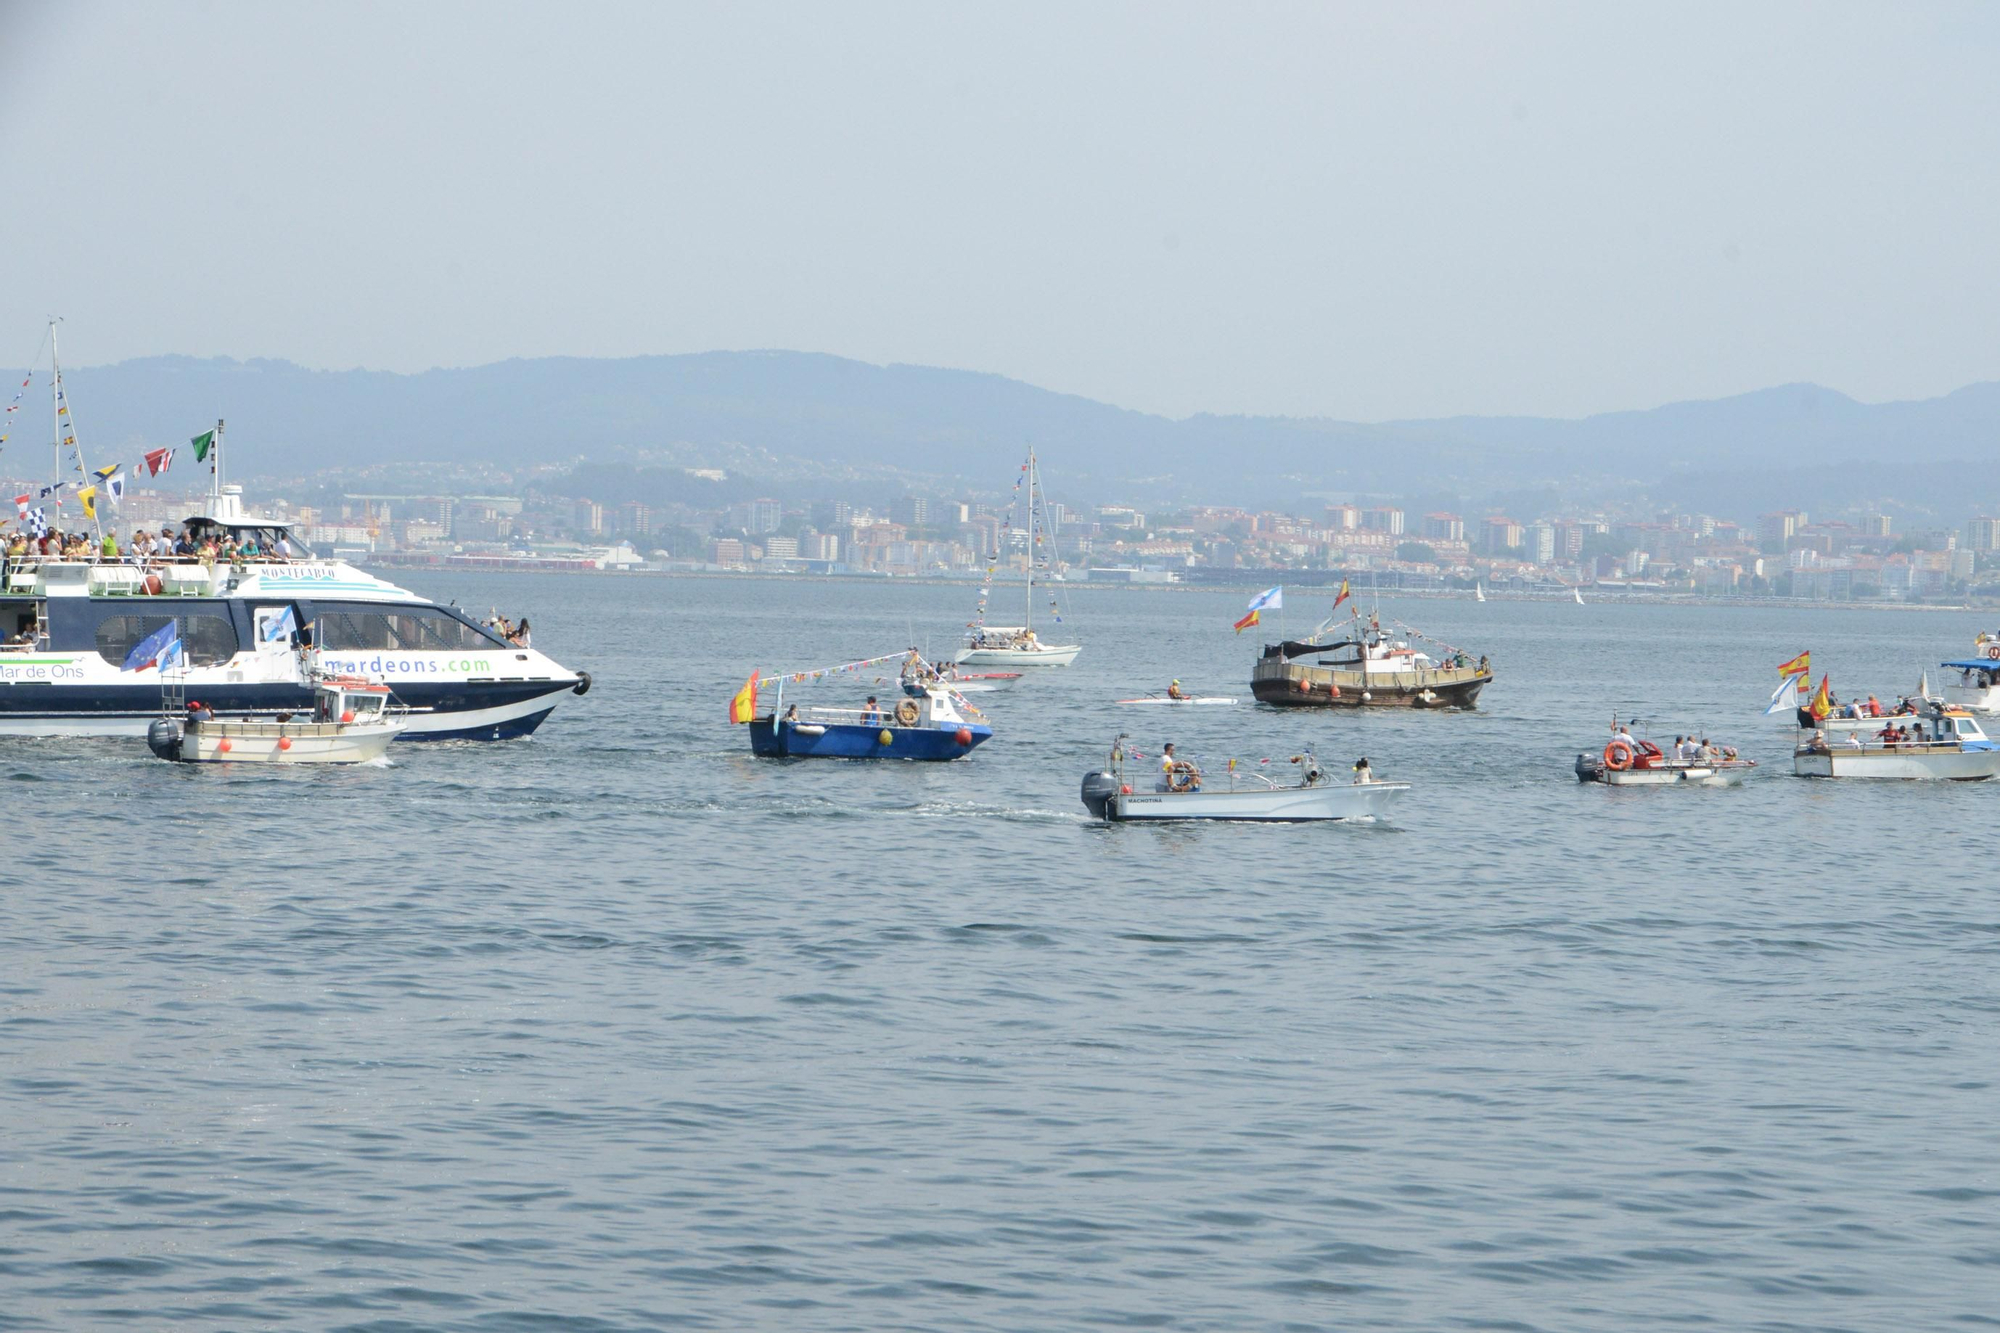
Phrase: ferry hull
(781, 740)
(455, 712)
(1298, 685)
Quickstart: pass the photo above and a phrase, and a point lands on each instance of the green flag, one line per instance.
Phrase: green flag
(202, 444)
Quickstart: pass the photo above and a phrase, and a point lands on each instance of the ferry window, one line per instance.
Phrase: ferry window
(209, 640)
(412, 629)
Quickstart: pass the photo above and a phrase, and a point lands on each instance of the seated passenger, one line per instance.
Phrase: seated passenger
(1363, 774)
(1174, 691)
(1177, 774)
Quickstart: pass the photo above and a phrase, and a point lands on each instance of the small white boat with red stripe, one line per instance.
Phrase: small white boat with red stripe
(1631, 761)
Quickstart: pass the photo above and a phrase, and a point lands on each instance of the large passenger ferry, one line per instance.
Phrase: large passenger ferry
(256, 634)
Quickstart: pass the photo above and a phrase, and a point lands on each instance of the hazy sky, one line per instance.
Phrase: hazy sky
(1358, 211)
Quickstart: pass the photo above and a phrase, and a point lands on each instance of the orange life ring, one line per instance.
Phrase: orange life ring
(1994, 651)
(1618, 755)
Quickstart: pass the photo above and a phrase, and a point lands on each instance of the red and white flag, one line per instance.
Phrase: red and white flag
(158, 461)
(21, 503)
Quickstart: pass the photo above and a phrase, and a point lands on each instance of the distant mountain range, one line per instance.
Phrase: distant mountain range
(798, 421)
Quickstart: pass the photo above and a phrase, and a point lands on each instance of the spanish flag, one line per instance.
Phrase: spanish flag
(744, 706)
(1802, 664)
(1343, 595)
(1822, 700)
(1247, 621)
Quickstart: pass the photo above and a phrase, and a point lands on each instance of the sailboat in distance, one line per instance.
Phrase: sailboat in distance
(1479, 592)
(1015, 646)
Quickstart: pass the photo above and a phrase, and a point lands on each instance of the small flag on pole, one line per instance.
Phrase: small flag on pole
(1342, 596)
(743, 707)
(1271, 599)
(1785, 695)
(1800, 665)
(202, 444)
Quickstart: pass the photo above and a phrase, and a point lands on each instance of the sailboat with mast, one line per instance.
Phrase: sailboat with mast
(1017, 646)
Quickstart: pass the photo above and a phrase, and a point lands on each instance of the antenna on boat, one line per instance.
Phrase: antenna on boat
(215, 472)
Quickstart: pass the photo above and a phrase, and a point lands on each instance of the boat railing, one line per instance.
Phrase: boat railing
(1882, 747)
(855, 717)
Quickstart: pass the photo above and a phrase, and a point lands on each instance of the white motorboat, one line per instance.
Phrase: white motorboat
(1946, 744)
(351, 722)
(1179, 791)
(1630, 762)
(1977, 684)
(1016, 646)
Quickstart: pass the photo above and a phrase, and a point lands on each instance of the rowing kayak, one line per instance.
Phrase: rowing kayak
(1192, 699)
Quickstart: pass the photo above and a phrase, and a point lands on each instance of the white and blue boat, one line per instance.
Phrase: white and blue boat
(257, 634)
(924, 718)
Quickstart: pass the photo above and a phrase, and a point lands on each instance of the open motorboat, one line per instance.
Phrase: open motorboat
(931, 721)
(1628, 761)
(352, 721)
(1179, 791)
(1944, 744)
(1017, 646)
(1363, 666)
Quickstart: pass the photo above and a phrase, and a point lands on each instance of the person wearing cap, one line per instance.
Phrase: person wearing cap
(199, 711)
(1363, 774)
(1174, 691)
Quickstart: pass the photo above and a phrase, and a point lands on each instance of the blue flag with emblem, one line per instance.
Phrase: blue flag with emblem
(153, 647)
(277, 628)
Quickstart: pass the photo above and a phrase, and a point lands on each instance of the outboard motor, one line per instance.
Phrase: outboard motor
(163, 738)
(1098, 789)
(1586, 767)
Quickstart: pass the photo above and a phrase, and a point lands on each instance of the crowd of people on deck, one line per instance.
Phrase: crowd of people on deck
(516, 634)
(143, 547)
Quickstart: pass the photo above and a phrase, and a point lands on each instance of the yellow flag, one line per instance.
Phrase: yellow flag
(89, 497)
(744, 706)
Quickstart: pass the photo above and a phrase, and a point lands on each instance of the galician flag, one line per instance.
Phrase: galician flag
(1786, 695)
(743, 707)
(1269, 599)
(202, 444)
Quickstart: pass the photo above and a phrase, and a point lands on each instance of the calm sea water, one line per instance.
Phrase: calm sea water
(617, 1028)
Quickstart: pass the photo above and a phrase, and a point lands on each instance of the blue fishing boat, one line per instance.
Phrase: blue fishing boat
(923, 717)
